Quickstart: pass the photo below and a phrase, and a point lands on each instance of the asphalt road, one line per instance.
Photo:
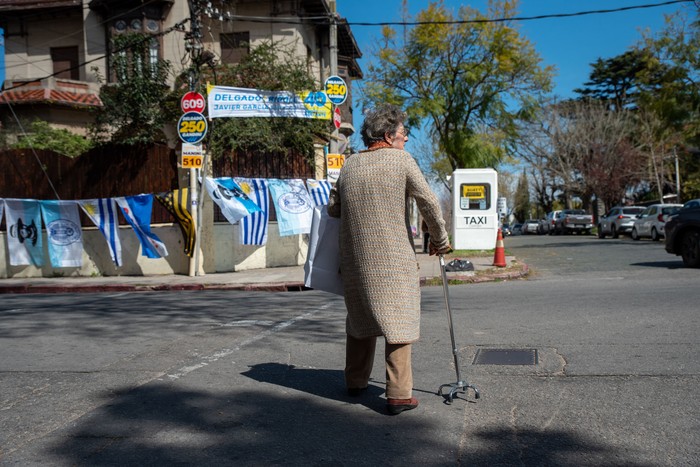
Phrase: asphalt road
(243, 378)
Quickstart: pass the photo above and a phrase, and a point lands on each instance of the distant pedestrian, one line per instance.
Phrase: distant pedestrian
(426, 235)
(378, 259)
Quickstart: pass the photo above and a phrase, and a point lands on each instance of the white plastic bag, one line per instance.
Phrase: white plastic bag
(322, 268)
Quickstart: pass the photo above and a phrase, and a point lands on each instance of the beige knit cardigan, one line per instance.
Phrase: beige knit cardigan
(378, 259)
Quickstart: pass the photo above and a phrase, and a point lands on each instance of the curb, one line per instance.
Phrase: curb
(517, 271)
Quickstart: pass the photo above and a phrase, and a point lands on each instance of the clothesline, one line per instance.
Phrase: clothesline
(242, 200)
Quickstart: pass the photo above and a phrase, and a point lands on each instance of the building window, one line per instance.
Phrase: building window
(65, 62)
(234, 46)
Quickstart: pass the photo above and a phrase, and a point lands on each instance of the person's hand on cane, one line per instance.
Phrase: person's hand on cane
(441, 251)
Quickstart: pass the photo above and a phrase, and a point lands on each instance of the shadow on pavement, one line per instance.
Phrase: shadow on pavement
(329, 384)
(159, 424)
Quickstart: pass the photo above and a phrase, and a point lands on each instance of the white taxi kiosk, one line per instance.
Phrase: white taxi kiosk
(474, 209)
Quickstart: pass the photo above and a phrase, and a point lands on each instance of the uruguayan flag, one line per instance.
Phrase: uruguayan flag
(253, 228)
(319, 190)
(64, 234)
(231, 199)
(294, 206)
(103, 213)
(137, 212)
(24, 232)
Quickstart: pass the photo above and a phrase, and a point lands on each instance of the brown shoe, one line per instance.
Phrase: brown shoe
(396, 406)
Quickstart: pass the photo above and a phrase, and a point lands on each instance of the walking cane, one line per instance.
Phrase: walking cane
(460, 386)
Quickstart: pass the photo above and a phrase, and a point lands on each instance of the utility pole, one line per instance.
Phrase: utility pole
(678, 177)
(333, 49)
(193, 45)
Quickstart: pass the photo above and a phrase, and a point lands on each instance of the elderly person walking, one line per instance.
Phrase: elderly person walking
(378, 259)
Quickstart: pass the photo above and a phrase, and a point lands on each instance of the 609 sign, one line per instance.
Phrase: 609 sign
(192, 127)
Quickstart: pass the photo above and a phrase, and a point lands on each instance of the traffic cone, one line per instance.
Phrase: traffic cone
(499, 256)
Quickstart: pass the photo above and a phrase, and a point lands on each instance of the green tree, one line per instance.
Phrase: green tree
(274, 67)
(462, 77)
(61, 141)
(135, 107)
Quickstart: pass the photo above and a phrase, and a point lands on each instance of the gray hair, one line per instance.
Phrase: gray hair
(384, 119)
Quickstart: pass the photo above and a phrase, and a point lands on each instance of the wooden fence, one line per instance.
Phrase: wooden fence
(112, 171)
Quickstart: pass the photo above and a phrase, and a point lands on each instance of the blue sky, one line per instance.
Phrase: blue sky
(570, 44)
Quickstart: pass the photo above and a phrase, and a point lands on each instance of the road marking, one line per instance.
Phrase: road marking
(206, 360)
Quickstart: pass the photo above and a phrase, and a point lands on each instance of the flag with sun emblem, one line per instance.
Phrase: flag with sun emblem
(253, 228)
(103, 213)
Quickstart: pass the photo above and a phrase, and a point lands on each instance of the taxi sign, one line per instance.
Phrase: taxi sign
(192, 127)
(473, 191)
(336, 89)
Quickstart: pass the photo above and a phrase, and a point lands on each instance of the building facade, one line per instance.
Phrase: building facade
(56, 49)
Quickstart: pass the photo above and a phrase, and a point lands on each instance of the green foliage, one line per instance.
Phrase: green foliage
(61, 141)
(269, 66)
(460, 80)
(134, 106)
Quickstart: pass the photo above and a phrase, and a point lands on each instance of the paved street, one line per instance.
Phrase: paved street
(253, 378)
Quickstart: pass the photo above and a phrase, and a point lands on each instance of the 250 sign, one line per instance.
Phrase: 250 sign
(192, 127)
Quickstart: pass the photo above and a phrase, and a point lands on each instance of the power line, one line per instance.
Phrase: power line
(325, 20)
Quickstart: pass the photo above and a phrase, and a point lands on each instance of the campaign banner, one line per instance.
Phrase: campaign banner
(24, 232)
(225, 101)
(64, 234)
(294, 206)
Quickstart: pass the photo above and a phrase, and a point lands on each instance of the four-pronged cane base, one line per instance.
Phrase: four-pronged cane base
(459, 387)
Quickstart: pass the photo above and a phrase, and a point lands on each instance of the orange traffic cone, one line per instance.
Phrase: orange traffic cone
(499, 256)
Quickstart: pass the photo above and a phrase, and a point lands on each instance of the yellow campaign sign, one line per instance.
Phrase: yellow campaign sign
(335, 161)
(473, 191)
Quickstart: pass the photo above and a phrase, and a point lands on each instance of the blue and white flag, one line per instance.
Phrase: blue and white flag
(137, 212)
(319, 190)
(103, 213)
(24, 232)
(294, 206)
(253, 228)
(63, 232)
(231, 199)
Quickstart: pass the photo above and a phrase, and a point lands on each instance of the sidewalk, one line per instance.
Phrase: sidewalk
(269, 279)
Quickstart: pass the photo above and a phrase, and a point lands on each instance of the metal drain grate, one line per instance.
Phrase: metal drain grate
(506, 357)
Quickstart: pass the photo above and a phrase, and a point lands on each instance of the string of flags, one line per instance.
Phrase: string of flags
(241, 200)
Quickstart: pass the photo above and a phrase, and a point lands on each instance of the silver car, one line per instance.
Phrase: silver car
(651, 222)
(618, 220)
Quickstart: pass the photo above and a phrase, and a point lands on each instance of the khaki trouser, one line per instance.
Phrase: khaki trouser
(359, 359)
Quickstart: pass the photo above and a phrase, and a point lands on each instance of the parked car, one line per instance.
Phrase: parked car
(517, 229)
(651, 221)
(618, 221)
(530, 226)
(573, 220)
(683, 236)
(693, 203)
(551, 221)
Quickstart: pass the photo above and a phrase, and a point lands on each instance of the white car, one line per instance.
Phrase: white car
(651, 221)
(530, 226)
